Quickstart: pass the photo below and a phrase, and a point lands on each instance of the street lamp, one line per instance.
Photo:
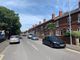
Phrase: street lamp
(70, 27)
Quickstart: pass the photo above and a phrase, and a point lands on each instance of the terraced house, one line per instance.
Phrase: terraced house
(62, 24)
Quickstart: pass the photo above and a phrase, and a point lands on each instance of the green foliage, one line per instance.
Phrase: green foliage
(51, 26)
(76, 34)
(10, 20)
(67, 34)
(73, 33)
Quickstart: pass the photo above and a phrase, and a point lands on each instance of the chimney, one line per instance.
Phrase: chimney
(39, 22)
(53, 16)
(44, 20)
(35, 24)
(60, 13)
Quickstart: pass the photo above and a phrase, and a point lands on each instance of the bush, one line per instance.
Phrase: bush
(67, 34)
(73, 33)
(76, 34)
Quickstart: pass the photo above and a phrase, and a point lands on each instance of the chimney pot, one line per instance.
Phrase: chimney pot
(33, 26)
(39, 22)
(53, 16)
(60, 13)
(44, 20)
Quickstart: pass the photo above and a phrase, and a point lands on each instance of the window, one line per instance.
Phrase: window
(78, 29)
(78, 18)
(68, 30)
(68, 20)
(41, 27)
(57, 33)
(57, 23)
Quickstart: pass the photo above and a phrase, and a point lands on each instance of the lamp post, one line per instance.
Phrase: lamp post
(70, 27)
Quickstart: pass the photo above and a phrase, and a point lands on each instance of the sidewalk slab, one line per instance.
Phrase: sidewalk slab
(3, 45)
(73, 47)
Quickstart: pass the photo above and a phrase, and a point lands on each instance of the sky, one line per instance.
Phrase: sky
(33, 11)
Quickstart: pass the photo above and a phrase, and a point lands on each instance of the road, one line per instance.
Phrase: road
(33, 50)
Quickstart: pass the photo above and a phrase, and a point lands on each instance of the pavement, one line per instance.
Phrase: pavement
(73, 47)
(34, 50)
(3, 45)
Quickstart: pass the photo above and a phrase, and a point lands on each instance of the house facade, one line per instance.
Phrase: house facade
(62, 23)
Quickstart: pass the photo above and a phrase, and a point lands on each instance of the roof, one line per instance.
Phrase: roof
(58, 17)
(67, 13)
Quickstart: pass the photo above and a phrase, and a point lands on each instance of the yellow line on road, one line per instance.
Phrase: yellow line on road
(1, 57)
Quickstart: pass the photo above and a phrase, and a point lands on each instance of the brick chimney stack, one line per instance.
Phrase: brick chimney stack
(60, 13)
(53, 16)
(44, 20)
(39, 22)
(33, 26)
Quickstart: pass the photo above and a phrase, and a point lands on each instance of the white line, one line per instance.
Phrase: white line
(35, 47)
(72, 50)
(1, 57)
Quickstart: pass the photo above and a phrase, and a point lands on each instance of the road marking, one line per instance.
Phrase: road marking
(1, 57)
(72, 50)
(33, 46)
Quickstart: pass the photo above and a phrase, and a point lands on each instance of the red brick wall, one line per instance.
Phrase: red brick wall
(67, 40)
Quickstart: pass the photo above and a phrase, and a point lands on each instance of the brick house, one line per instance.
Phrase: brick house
(62, 24)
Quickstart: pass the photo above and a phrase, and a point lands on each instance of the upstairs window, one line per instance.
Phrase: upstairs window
(68, 20)
(57, 23)
(78, 18)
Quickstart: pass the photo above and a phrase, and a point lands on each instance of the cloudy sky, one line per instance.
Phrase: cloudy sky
(33, 11)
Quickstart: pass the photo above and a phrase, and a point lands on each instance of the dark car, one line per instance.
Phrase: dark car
(54, 41)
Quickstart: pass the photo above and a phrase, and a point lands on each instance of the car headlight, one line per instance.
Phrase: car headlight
(56, 42)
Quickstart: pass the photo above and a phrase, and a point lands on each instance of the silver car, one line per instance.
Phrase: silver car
(34, 37)
(14, 39)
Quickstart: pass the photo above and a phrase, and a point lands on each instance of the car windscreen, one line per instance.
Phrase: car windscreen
(34, 36)
(14, 37)
(54, 38)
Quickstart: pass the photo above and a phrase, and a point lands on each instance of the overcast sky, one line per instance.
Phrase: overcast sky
(33, 11)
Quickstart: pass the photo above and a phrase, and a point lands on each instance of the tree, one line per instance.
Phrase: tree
(51, 27)
(9, 21)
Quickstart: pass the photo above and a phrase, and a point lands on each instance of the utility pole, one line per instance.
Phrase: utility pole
(70, 27)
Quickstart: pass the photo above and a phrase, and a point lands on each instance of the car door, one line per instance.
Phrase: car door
(48, 41)
(45, 40)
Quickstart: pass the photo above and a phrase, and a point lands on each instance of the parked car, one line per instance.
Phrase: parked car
(34, 37)
(54, 41)
(2, 35)
(20, 37)
(14, 39)
(24, 35)
(30, 36)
